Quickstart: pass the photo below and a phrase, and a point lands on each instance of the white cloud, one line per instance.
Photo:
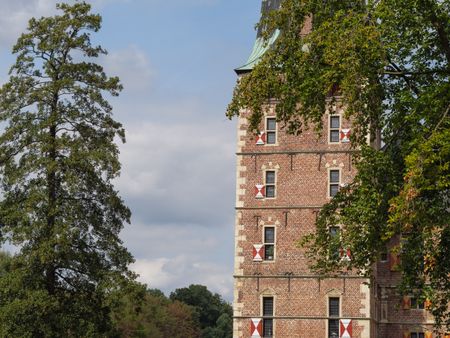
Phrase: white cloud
(152, 240)
(151, 272)
(179, 173)
(132, 66)
(181, 271)
(178, 178)
(177, 2)
(15, 16)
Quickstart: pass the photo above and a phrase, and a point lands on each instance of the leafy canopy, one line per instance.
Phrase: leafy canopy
(57, 163)
(213, 313)
(138, 312)
(388, 63)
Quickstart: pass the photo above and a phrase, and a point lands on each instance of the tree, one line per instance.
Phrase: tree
(138, 312)
(57, 163)
(214, 314)
(5, 260)
(387, 62)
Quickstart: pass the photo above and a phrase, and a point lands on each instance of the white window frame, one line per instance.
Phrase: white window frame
(417, 305)
(329, 183)
(330, 116)
(273, 311)
(328, 312)
(339, 235)
(272, 244)
(271, 131)
(271, 184)
(417, 333)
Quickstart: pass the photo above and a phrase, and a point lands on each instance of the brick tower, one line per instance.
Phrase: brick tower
(282, 183)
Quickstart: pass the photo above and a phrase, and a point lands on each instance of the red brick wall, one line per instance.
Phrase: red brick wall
(301, 303)
(301, 164)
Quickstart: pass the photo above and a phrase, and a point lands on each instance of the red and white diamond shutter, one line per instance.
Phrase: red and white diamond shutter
(261, 139)
(406, 303)
(346, 255)
(258, 252)
(394, 261)
(260, 191)
(349, 254)
(346, 330)
(345, 135)
(256, 328)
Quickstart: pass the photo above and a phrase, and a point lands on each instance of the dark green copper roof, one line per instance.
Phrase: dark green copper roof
(261, 46)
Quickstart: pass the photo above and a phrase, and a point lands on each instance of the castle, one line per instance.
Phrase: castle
(282, 182)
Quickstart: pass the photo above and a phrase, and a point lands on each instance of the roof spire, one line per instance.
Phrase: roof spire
(260, 46)
(267, 6)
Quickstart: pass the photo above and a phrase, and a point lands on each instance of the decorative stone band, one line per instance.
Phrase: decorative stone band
(302, 318)
(428, 334)
(303, 276)
(288, 152)
(293, 207)
(291, 153)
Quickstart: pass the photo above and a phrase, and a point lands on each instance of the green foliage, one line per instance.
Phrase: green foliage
(214, 314)
(191, 312)
(57, 163)
(5, 260)
(223, 328)
(361, 207)
(387, 62)
(148, 313)
(420, 213)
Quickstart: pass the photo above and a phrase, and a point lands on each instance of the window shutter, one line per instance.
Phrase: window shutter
(406, 303)
(345, 135)
(428, 334)
(394, 261)
(346, 255)
(261, 139)
(427, 304)
(258, 252)
(346, 330)
(260, 191)
(406, 334)
(256, 328)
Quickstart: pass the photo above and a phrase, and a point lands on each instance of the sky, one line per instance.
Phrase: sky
(175, 59)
